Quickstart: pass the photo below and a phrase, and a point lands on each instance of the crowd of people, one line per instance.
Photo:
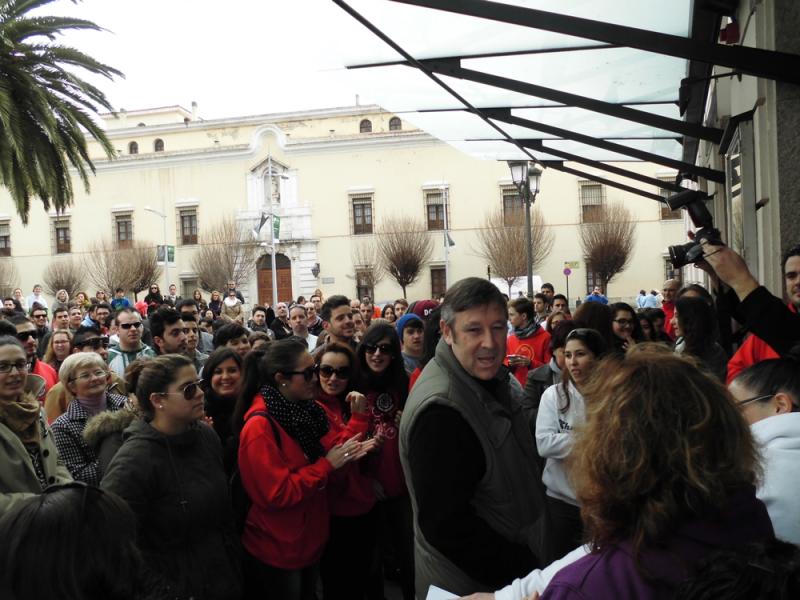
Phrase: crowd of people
(180, 448)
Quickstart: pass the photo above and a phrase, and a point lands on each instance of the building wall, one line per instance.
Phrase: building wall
(318, 159)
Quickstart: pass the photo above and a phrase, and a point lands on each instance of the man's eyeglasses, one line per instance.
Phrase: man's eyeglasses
(21, 366)
(135, 325)
(85, 376)
(94, 343)
(23, 336)
(373, 348)
(308, 374)
(189, 391)
(753, 399)
(328, 371)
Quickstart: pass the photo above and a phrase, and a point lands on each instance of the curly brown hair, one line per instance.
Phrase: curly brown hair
(662, 441)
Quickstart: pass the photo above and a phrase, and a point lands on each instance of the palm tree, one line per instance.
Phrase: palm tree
(45, 107)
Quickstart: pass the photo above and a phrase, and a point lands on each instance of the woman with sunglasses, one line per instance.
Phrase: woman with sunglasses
(222, 381)
(768, 396)
(86, 376)
(561, 410)
(169, 471)
(287, 454)
(626, 327)
(694, 324)
(385, 384)
(350, 494)
(58, 348)
(154, 295)
(29, 460)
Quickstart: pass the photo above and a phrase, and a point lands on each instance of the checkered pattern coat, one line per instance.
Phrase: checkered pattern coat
(77, 455)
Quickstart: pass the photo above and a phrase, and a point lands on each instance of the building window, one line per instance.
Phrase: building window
(365, 126)
(438, 282)
(123, 230)
(672, 273)
(62, 236)
(666, 213)
(395, 124)
(364, 280)
(158, 145)
(133, 148)
(362, 214)
(188, 286)
(513, 207)
(592, 197)
(436, 202)
(5, 238)
(592, 280)
(188, 226)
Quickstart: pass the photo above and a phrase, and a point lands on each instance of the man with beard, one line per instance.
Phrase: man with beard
(337, 318)
(168, 330)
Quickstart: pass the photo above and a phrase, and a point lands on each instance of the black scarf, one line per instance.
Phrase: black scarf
(304, 421)
(527, 331)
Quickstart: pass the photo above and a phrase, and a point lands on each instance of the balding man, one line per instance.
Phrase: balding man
(669, 291)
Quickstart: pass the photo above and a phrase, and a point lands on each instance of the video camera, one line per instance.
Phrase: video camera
(694, 203)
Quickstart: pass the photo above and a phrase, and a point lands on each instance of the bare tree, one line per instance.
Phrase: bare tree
(502, 244)
(404, 246)
(144, 267)
(228, 253)
(8, 277)
(608, 243)
(107, 266)
(64, 274)
(368, 263)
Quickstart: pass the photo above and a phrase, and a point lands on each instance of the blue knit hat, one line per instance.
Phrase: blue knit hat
(404, 320)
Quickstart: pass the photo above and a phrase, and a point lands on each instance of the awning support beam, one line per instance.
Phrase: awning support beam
(769, 64)
(559, 166)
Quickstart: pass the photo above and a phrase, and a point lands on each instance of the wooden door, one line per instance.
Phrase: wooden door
(284, 278)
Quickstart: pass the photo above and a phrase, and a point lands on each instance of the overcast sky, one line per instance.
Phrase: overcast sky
(233, 57)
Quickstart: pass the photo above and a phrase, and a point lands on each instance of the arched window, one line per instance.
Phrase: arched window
(365, 126)
(133, 148)
(158, 145)
(394, 124)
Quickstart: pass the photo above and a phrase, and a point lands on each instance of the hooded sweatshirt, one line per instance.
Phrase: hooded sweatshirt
(178, 490)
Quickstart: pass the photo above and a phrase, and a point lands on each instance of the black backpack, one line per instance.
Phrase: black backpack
(239, 499)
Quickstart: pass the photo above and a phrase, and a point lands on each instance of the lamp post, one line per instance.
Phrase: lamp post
(273, 258)
(163, 216)
(526, 177)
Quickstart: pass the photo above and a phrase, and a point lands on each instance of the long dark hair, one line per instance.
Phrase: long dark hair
(637, 334)
(154, 377)
(697, 322)
(394, 379)
(593, 315)
(215, 359)
(594, 342)
(337, 348)
(260, 367)
(770, 377)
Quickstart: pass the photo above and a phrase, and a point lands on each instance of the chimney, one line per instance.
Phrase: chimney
(357, 101)
(194, 110)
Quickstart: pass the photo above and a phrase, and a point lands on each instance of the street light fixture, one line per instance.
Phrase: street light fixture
(163, 216)
(527, 177)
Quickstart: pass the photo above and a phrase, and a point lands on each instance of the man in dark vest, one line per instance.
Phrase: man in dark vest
(469, 458)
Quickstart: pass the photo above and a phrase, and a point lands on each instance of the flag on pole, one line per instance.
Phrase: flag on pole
(448, 241)
(257, 230)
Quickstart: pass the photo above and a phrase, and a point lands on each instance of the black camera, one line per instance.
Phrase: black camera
(694, 203)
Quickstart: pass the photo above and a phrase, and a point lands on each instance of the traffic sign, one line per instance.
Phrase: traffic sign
(567, 271)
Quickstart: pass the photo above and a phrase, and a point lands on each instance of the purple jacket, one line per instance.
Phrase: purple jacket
(612, 574)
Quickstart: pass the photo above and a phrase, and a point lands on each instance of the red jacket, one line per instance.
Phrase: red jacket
(752, 351)
(350, 492)
(535, 348)
(287, 525)
(384, 466)
(46, 372)
(669, 312)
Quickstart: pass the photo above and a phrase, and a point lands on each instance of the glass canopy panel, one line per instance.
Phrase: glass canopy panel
(591, 123)
(616, 75)
(400, 88)
(496, 150)
(665, 148)
(429, 33)
(454, 125)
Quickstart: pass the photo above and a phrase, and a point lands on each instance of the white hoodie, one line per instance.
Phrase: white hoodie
(554, 437)
(779, 438)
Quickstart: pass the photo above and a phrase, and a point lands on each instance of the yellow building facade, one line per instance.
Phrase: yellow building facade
(336, 175)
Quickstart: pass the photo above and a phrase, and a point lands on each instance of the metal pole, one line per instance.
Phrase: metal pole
(526, 190)
(446, 241)
(567, 277)
(166, 247)
(272, 233)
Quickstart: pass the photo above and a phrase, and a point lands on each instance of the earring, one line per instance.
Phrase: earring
(160, 406)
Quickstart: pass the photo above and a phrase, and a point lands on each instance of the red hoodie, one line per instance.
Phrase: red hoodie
(752, 351)
(385, 466)
(535, 348)
(669, 312)
(288, 523)
(350, 492)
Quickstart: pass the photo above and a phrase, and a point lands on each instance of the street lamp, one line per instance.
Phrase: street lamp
(527, 177)
(166, 248)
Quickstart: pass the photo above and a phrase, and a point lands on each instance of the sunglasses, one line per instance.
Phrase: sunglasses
(23, 336)
(624, 322)
(328, 371)
(95, 343)
(136, 325)
(754, 399)
(189, 391)
(308, 374)
(40, 316)
(373, 348)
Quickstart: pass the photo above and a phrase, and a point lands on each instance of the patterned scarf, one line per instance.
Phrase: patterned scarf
(305, 421)
(526, 332)
(22, 417)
